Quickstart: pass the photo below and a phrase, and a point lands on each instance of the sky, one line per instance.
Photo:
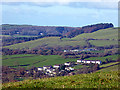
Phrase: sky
(74, 14)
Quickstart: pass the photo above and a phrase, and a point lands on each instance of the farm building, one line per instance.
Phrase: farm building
(40, 68)
(89, 61)
(46, 67)
(67, 63)
(56, 66)
(69, 68)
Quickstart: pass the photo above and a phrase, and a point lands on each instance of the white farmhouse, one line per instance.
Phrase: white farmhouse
(79, 61)
(56, 66)
(76, 50)
(69, 68)
(46, 67)
(65, 50)
(93, 61)
(89, 61)
(67, 63)
(49, 70)
(40, 68)
(98, 62)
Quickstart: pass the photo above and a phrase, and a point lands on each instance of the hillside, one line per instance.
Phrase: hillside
(102, 37)
(110, 33)
(8, 29)
(98, 79)
(47, 41)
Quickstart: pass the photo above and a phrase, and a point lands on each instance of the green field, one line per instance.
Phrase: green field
(112, 57)
(11, 60)
(4, 35)
(48, 41)
(92, 80)
(23, 36)
(16, 36)
(103, 42)
(78, 66)
(41, 60)
(110, 33)
(112, 68)
(108, 64)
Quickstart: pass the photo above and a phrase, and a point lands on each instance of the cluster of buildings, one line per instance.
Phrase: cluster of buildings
(90, 61)
(57, 69)
(79, 50)
(53, 70)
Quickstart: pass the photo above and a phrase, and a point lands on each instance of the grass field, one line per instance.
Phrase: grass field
(16, 36)
(112, 57)
(40, 60)
(78, 66)
(103, 42)
(109, 64)
(48, 41)
(23, 36)
(92, 80)
(4, 35)
(11, 60)
(110, 33)
(112, 68)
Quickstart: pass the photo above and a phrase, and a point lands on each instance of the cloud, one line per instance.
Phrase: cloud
(98, 4)
(59, 1)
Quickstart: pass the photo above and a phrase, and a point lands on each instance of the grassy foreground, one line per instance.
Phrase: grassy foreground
(92, 80)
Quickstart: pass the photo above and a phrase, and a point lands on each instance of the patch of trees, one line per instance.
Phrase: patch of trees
(69, 32)
(18, 74)
(91, 68)
(84, 55)
(89, 29)
(8, 29)
(58, 50)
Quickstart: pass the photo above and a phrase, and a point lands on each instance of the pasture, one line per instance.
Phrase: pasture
(110, 33)
(111, 57)
(47, 41)
(33, 60)
(103, 42)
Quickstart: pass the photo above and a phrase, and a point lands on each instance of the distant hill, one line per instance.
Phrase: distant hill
(8, 29)
(89, 29)
(103, 36)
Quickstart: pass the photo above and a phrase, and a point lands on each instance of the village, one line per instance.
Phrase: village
(66, 67)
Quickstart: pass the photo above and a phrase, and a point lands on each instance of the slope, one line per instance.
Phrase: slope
(98, 79)
(110, 33)
(102, 37)
(47, 41)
